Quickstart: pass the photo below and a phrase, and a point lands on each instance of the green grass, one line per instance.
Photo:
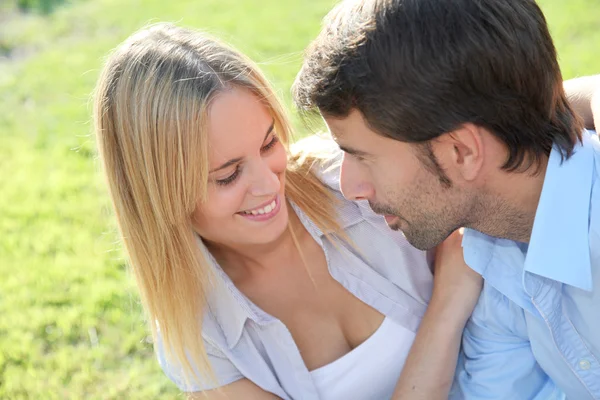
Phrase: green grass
(70, 321)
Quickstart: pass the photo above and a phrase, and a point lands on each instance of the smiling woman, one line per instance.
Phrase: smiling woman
(259, 279)
(247, 166)
(258, 276)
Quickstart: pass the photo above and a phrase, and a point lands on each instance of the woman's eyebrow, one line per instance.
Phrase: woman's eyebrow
(238, 159)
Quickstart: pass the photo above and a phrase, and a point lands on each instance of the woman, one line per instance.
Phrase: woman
(260, 279)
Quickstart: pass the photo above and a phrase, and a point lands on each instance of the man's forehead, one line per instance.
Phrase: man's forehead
(354, 136)
(348, 137)
(348, 126)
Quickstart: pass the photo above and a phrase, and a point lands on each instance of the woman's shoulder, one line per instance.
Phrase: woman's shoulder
(315, 144)
(324, 156)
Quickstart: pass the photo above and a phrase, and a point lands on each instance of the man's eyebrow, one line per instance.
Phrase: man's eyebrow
(354, 152)
(238, 159)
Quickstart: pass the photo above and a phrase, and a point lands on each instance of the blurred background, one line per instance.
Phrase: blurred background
(71, 325)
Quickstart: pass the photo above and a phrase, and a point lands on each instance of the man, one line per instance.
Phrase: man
(452, 113)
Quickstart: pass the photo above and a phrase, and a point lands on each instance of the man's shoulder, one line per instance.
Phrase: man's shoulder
(594, 230)
(481, 251)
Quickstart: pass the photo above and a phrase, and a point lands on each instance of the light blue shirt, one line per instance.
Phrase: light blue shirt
(535, 332)
(243, 341)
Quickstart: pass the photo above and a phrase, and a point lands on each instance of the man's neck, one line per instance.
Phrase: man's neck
(511, 204)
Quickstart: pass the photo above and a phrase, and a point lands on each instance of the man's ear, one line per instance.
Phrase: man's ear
(461, 152)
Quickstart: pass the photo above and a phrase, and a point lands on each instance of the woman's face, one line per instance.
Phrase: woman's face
(247, 163)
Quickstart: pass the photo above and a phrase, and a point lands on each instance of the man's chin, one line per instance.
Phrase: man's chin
(420, 242)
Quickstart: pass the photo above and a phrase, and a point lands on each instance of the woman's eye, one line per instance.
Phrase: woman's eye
(230, 178)
(270, 145)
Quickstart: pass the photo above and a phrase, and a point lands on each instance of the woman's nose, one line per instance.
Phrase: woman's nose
(265, 181)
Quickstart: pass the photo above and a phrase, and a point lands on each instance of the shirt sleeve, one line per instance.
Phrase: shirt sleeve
(224, 370)
(496, 360)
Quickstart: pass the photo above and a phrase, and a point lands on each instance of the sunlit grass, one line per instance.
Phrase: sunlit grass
(70, 321)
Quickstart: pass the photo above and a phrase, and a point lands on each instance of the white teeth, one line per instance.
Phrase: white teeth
(265, 210)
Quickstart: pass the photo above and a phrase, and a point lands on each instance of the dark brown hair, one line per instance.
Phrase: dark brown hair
(417, 69)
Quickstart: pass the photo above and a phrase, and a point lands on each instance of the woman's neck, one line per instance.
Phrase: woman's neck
(245, 260)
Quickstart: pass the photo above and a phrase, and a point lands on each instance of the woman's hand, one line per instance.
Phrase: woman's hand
(429, 368)
(456, 287)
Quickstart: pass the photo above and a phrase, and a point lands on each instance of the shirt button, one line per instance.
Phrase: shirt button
(584, 365)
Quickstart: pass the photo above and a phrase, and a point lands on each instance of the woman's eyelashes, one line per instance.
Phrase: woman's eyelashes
(231, 178)
(270, 145)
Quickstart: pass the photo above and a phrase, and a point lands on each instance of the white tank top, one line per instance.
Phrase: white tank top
(371, 370)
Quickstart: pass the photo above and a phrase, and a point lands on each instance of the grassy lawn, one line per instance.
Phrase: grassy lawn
(70, 321)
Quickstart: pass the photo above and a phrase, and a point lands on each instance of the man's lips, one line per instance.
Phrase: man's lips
(390, 218)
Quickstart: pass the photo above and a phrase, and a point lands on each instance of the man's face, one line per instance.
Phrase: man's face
(398, 181)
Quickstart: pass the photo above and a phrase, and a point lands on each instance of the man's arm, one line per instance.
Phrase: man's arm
(584, 95)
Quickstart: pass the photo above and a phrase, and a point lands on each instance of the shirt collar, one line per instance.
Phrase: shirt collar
(225, 302)
(559, 244)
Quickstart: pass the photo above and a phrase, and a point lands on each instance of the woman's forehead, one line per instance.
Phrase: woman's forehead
(238, 122)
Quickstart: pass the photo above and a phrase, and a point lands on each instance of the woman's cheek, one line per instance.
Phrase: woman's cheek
(280, 164)
(232, 199)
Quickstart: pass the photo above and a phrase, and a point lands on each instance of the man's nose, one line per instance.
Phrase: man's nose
(353, 181)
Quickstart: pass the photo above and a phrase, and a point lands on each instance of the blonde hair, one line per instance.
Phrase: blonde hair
(150, 112)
